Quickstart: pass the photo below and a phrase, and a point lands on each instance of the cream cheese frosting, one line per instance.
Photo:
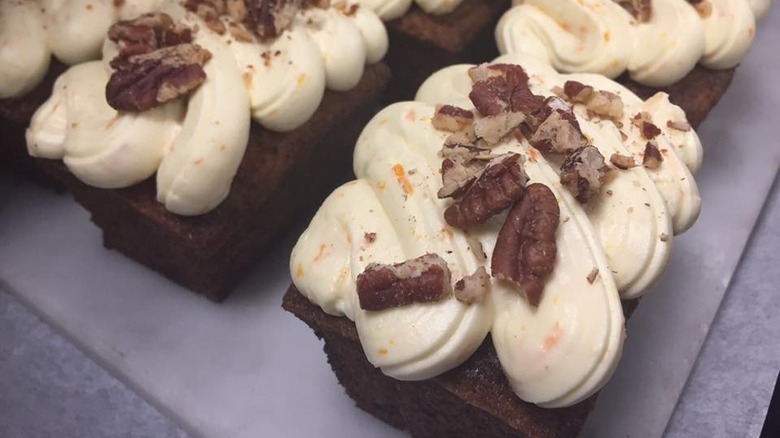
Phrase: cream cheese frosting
(391, 9)
(555, 355)
(198, 145)
(31, 31)
(599, 36)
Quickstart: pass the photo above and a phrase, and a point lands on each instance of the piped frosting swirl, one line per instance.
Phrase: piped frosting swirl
(195, 146)
(32, 31)
(556, 354)
(599, 36)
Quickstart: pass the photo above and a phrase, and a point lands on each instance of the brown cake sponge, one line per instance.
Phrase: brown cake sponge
(472, 400)
(280, 175)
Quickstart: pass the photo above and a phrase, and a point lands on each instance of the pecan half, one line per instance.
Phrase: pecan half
(652, 158)
(142, 82)
(157, 62)
(525, 250)
(583, 172)
(269, 18)
(499, 186)
(421, 280)
(559, 132)
(471, 289)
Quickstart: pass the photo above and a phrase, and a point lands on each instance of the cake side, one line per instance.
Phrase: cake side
(473, 399)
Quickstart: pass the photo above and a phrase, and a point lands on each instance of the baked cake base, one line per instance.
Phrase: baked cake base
(471, 400)
(280, 175)
(15, 115)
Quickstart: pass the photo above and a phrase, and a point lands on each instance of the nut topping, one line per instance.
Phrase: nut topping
(622, 162)
(269, 18)
(652, 158)
(498, 187)
(601, 103)
(559, 132)
(421, 280)
(473, 288)
(525, 250)
(583, 172)
(644, 122)
(157, 63)
(452, 119)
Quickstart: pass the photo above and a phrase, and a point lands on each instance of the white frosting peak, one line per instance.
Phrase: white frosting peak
(599, 36)
(555, 355)
(71, 30)
(198, 143)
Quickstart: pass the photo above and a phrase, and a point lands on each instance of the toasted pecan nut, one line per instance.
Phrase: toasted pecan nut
(472, 289)
(526, 251)
(421, 280)
(621, 161)
(498, 187)
(502, 87)
(652, 158)
(269, 18)
(647, 128)
(603, 104)
(560, 131)
(452, 118)
(583, 172)
(144, 81)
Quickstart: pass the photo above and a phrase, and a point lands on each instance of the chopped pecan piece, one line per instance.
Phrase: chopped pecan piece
(652, 158)
(679, 125)
(559, 132)
(145, 81)
(473, 288)
(644, 122)
(621, 161)
(458, 173)
(269, 18)
(493, 128)
(502, 87)
(583, 172)
(421, 280)
(499, 186)
(594, 273)
(642, 10)
(210, 12)
(451, 118)
(601, 103)
(525, 250)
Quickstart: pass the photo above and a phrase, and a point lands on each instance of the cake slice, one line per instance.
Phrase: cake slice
(687, 48)
(194, 148)
(512, 201)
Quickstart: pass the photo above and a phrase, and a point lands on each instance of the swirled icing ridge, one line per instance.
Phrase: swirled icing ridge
(599, 36)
